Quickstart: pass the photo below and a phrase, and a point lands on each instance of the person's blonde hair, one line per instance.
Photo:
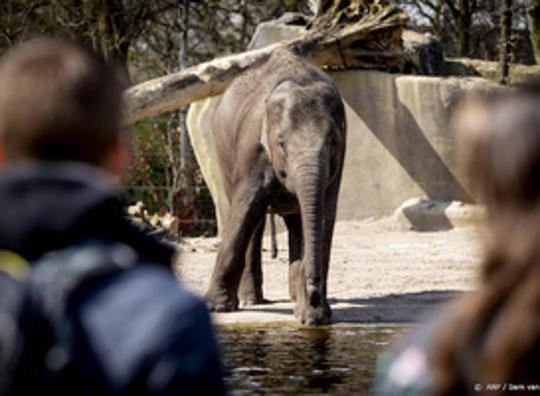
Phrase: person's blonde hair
(58, 102)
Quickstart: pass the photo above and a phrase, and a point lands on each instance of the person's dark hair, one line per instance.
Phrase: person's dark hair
(58, 101)
(494, 336)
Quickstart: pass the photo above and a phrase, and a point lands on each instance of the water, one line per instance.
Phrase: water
(328, 360)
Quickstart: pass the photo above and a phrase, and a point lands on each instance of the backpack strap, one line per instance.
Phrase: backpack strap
(60, 274)
(11, 341)
(13, 265)
(52, 289)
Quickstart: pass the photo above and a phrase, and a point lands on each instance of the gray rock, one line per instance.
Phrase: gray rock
(419, 214)
(423, 54)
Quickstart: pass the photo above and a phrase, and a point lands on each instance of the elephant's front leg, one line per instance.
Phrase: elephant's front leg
(294, 228)
(250, 291)
(248, 207)
(328, 233)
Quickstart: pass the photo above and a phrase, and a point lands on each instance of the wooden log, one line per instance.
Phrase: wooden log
(365, 34)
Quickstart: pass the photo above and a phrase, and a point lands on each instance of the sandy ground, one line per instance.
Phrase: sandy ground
(378, 274)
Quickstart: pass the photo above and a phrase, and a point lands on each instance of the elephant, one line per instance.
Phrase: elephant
(280, 131)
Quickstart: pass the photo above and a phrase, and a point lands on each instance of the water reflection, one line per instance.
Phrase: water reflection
(304, 360)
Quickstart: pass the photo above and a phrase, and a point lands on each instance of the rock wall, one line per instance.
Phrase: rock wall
(199, 123)
(399, 143)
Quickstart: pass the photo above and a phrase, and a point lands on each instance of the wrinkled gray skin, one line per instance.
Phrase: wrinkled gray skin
(280, 134)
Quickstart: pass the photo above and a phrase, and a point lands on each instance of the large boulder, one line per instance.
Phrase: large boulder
(423, 54)
(289, 26)
(420, 214)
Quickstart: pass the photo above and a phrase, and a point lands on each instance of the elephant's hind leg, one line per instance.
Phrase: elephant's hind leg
(250, 291)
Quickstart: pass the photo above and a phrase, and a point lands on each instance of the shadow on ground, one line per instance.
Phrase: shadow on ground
(391, 308)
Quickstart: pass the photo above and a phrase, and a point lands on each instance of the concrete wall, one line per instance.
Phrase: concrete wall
(398, 145)
(199, 122)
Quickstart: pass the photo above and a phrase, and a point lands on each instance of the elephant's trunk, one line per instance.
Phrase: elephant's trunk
(311, 183)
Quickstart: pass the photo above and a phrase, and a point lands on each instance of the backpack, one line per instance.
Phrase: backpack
(37, 348)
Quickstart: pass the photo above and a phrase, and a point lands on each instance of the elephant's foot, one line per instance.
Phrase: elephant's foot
(251, 297)
(306, 314)
(311, 307)
(250, 292)
(252, 301)
(220, 301)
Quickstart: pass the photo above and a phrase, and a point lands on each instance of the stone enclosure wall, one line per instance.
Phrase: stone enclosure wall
(399, 142)
(399, 145)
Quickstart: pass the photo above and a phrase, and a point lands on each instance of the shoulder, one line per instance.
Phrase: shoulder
(139, 314)
(153, 291)
(407, 367)
(110, 282)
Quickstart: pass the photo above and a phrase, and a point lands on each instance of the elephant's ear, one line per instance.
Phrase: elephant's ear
(274, 107)
(275, 104)
(264, 137)
(344, 120)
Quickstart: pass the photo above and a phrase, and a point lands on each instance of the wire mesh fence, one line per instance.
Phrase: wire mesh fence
(181, 192)
(166, 177)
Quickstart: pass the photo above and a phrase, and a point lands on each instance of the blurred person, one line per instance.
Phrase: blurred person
(97, 309)
(487, 342)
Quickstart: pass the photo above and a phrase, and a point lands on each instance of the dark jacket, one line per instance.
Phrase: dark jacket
(139, 332)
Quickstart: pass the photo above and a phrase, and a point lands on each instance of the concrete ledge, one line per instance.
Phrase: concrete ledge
(519, 74)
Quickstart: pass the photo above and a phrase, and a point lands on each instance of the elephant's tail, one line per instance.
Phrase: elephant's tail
(274, 248)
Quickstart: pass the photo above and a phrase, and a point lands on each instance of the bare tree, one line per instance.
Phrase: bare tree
(17, 20)
(109, 27)
(534, 23)
(449, 18)
(506, 44)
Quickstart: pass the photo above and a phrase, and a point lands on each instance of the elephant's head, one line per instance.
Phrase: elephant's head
(304, 128)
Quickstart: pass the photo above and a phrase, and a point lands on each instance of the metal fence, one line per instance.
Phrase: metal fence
(194, 209)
